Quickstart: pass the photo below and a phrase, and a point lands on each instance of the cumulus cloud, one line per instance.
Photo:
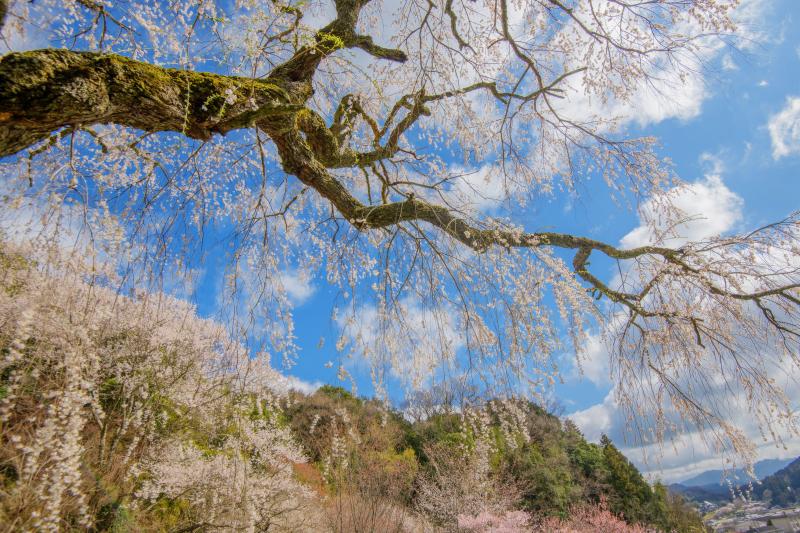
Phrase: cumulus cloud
(684, 455)
(666, 93)
(482, 189)
(594, 362)
(297, 286)
(708, 206)
(286, 383)
(784, 129)
(598, 419)
(674, 89)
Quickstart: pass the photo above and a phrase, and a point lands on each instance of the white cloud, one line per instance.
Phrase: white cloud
(674, 89)
(667, 93)
(597, 419)
(297, 286)
(691, 458)
(715, 210)
(594, 361)
(707, 206)
(784, 129)
(286, 383)
(482, 189)
(763, 83)
(713, 162)
(685, 456)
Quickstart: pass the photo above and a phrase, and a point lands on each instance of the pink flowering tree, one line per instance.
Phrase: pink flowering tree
(590, 518)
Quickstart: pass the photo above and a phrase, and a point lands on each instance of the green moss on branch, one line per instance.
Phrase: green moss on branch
(44, 90)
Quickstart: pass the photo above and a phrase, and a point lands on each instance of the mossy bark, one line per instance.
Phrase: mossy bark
(44, 90)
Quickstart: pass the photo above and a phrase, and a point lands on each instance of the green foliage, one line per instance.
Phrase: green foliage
(550, 460)
(780, 488)
(439, 428)
(339, 394)
(631, 495)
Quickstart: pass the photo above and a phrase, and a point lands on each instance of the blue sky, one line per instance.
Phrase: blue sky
(733, 134)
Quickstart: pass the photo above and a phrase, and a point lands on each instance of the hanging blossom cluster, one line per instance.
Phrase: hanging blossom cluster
(112, 402)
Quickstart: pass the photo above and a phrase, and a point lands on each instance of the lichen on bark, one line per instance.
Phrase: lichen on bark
(44, 90)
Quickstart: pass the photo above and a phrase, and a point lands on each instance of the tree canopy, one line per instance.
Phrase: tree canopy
(392, 148)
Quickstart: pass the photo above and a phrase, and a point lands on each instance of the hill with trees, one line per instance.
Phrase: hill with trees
(533, 460)
(132, 414)
(781, 488)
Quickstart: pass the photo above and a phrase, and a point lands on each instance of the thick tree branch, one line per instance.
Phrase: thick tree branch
(341, 33)
(299, 158)
(44, 90)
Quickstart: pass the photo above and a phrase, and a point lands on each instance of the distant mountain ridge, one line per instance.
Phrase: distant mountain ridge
(781, 488)
(762, 469)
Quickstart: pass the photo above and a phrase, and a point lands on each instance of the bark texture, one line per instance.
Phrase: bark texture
(44, 90)
(3, 12)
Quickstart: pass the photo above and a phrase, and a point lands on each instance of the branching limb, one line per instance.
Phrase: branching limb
(341, 33)
(44, 90)
(299, 158)
(328, 145)
(448, 9)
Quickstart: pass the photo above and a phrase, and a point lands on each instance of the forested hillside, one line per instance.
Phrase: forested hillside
(132, 414)
(543, 465)
(781, 488)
